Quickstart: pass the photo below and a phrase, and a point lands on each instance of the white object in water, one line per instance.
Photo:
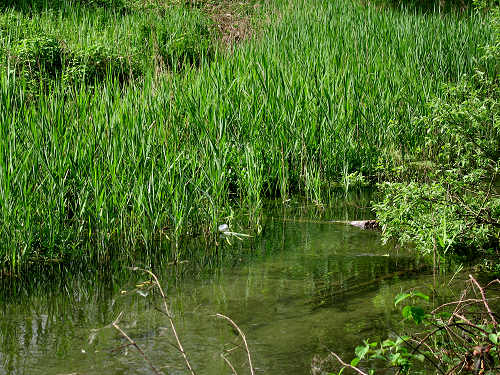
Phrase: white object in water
(223, 228)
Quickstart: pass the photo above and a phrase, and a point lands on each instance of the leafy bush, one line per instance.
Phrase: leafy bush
(459, 209)
(38, 57)
(95, 63)
(43, 58)
(185, 40)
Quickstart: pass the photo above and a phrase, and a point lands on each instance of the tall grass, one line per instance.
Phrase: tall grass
(141, 151)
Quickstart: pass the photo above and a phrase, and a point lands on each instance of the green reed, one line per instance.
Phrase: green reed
(139, 137)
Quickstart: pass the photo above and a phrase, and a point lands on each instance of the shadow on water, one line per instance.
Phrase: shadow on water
(303, 286)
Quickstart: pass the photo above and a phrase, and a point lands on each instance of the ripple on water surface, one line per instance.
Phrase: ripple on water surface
(303, 287)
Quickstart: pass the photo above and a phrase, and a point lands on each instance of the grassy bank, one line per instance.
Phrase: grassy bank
(119, 127)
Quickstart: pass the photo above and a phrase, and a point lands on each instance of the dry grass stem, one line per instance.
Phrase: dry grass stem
(169, 316)
(133, 343)
(229, 364)
(242, 337)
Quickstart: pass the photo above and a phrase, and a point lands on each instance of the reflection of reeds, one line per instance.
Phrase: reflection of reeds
(328, 85)
(332, 291)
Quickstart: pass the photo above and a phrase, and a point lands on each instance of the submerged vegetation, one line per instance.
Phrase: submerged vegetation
(122, 125)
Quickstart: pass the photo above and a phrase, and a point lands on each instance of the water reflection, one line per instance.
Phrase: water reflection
(304, 286)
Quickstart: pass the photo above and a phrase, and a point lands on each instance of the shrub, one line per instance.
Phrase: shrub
(186, 40)
(453, 338)
(459, 209)
(37, 58)
(95, 63)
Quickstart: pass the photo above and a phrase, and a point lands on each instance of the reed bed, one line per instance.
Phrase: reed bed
(120, 130)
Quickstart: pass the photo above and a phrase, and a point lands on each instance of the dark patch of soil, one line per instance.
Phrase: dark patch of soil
(233, 19)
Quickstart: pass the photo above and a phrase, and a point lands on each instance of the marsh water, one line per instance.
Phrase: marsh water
(300, 289)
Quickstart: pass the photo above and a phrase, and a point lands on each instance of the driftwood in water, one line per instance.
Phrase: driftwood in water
(363, 224)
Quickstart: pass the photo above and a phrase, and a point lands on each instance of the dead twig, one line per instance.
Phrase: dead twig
(169, 316)
(133, 343)
(242, 337)
(360, 372)
(485, 302)
(492, 282)
(415, 349)
(459, 302)
(228, 363)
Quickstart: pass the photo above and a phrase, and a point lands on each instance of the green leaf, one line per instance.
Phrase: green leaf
(421, 295)
(406, 312)
(355, 361)
(401, 297)
(388, 343)
(418, 314)
(415, 313)
(493, 338)
(361, 351)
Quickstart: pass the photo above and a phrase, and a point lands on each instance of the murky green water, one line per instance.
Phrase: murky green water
(299, 290)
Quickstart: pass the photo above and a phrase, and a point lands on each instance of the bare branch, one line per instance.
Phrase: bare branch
(242, 337)
(133, 343)
(485, 302)
(458, 302)
(492, 282)
(415, 349)
(360, 372)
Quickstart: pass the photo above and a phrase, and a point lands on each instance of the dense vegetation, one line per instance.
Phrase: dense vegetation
(452, 206)
(449, 207)
(122, 125)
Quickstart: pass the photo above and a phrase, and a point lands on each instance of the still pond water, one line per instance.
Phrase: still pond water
(302, 288)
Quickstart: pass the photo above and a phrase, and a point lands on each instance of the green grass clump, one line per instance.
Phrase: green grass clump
(76, 42)
(183, 39)
(326, 92)
(96, 63)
